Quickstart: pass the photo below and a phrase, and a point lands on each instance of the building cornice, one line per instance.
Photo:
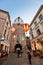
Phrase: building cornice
(5, 13)
(41, 7)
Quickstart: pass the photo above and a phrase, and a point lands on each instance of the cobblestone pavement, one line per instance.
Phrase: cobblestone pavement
(12, 59)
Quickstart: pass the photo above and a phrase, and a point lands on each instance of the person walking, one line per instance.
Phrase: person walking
(28, 44)
(29, 55)
(18, 52)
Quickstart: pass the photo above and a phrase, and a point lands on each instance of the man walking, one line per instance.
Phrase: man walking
(29, 49)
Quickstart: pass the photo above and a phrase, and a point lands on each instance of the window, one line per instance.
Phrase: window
(41, 23)
(32, 36)
(18, 24)
(41, 17)
(18, 19)
(35, 23)
(31, 29)
(15, 21)
(4, 33)
(22, 20)
(38, 32)
(7, 23)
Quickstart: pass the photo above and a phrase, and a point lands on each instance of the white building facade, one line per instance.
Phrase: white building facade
(36, 30)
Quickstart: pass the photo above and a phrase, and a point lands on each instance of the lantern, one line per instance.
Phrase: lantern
(12, 29)
(26, 27)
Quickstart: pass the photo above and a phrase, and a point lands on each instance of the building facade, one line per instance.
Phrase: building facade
(5, 25)
(17, 34)
(36, 30)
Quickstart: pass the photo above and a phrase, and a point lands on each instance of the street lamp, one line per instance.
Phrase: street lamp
(14, 36)
(12, 29)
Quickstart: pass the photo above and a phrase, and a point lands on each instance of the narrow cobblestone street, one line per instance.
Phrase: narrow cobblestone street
(12, 59)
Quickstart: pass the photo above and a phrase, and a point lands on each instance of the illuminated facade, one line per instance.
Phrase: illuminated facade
(36, 30)
(17, 32)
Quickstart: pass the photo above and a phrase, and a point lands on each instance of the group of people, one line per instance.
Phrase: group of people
(28, 44)
(19, 53)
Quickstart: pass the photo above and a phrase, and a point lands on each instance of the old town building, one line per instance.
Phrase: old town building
(5, 25)
(17, 34)
(36, 30)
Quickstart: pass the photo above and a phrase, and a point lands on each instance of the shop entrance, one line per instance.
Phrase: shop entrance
(1, 47)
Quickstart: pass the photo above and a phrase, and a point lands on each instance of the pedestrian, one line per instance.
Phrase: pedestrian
(6, 53)
(18, 53)
(28, 44)
(29, 55)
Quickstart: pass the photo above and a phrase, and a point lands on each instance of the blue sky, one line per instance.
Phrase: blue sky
(26, 9)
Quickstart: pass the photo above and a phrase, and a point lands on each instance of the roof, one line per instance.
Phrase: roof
(5, 12)
(18, 20)
(41, 7)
